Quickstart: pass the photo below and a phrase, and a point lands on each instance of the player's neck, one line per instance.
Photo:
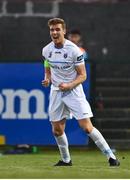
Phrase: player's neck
(60, 45)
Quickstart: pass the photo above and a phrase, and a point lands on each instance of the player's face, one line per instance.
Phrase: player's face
(57, 34)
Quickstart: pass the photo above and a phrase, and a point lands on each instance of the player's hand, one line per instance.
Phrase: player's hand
(45, 82)
(65, 86)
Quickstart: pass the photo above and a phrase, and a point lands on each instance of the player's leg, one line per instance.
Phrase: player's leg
(62, 142)
(81, 110)
(99, 140)
(58, 113)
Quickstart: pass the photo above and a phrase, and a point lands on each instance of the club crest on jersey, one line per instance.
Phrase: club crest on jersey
(50, 54)
(65, 55)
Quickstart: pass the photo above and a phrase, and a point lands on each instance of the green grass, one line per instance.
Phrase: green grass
(86, 164)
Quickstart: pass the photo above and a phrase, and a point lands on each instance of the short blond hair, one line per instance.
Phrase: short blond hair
(55, 21)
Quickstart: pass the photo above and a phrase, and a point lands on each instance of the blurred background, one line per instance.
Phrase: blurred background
(105, 29)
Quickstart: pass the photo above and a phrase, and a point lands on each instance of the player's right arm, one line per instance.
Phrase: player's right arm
(47, 76)
(47, 73)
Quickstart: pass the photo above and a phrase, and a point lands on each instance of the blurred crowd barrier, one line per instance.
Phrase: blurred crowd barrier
(104, 26)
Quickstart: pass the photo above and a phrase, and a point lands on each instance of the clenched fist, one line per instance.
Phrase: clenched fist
(65, 86)
(45, 82)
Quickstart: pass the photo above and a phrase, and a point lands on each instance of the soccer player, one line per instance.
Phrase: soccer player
(65, 70)
(75, 36)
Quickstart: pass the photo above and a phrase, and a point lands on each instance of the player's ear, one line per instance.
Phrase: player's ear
(64, 31)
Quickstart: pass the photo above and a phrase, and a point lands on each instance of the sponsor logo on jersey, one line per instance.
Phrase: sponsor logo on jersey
(60, 67)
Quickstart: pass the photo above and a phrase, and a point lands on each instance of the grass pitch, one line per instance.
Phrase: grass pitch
(87, 164)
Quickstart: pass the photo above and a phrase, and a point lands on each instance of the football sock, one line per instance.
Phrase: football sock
(101, 143)
(62, 143)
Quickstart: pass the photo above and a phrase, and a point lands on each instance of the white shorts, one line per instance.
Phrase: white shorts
(73, 102)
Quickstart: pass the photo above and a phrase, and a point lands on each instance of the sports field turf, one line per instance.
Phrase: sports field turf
(86, 164)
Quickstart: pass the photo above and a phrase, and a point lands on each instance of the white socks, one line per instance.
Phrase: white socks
(95, 135)
(62, 143)
(101, 143)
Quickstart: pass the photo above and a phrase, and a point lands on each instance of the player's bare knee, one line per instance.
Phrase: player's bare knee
(87, 128)
(86, 125)
(57, 132)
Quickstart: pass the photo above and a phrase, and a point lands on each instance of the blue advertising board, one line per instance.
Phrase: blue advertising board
(24, 107)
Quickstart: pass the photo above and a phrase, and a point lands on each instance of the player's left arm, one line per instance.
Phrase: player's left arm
(79, 67)
(81, 77)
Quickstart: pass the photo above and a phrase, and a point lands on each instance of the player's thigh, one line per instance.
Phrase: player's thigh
(77, 104)
(57, 108)
(55, 105)
(54, 101)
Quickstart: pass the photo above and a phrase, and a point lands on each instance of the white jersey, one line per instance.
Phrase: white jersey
(62, 61)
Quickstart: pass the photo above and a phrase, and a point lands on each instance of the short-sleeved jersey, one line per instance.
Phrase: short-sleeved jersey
(85, 54)
(62, 61)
